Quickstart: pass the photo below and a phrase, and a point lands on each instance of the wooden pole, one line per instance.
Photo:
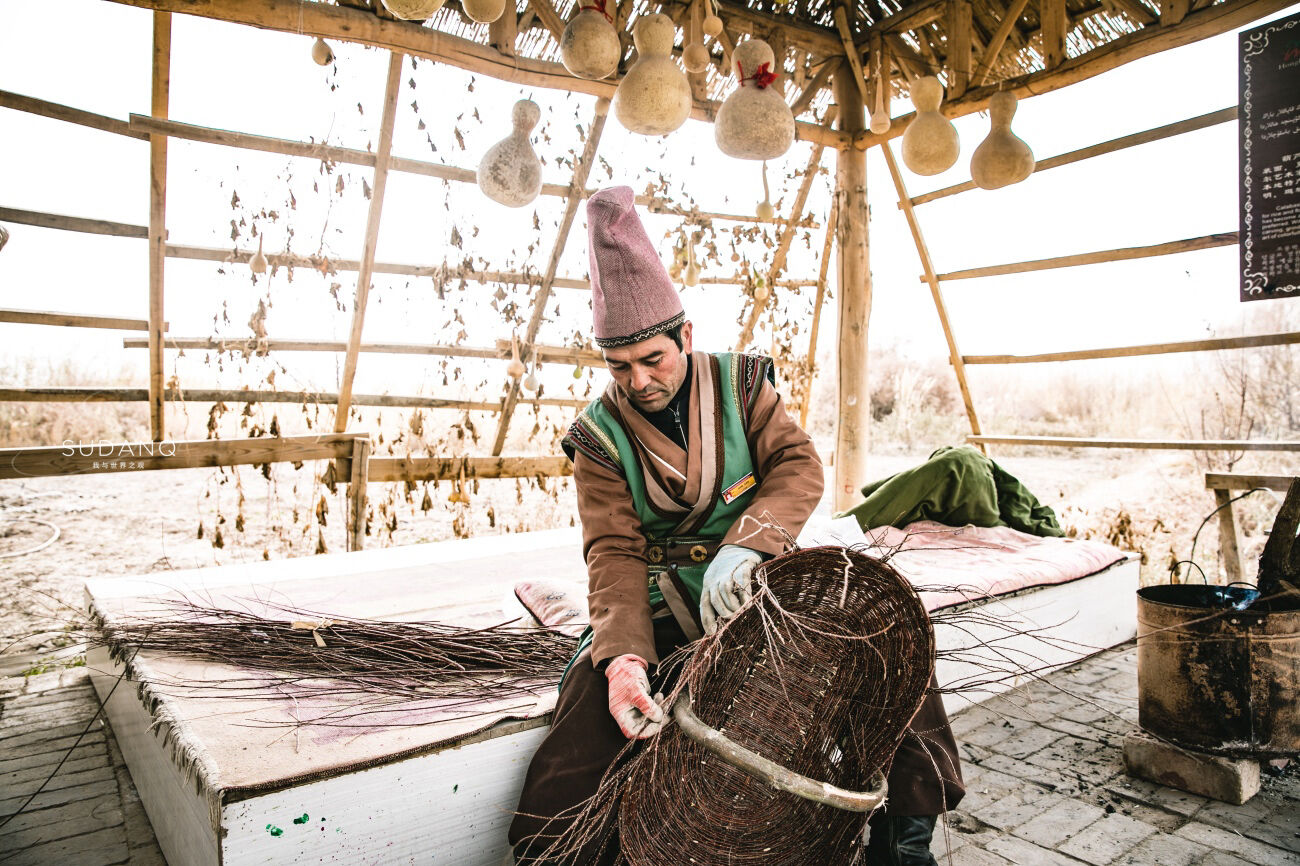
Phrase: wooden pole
(853, 277)
(391, 91)
(998, 39)
(580, 173)
(1187, 245)
(357, 493)
(959, 48)
(932, 281)
(162, 51)
(810, 366)
(782, 248)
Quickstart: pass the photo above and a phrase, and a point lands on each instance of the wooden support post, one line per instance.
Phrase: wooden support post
(782, 248)
(959, 48)
(580, 173)
(357, 493)
(932, 281)
(1173, 11)
(162, 52)
(1055, 24)
(853, 276)
(1232, 565)
(392, 90)
(810, 365)
(503, 32)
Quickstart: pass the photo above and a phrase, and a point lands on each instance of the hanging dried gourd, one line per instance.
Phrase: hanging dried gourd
(321, 52)
(765, 211)
(691, 276)
(930, 144)
(695, 57)
(530, 382)
(712, 24)
(590, 47)
(510, 172)
(1002, 158)
(754, 122)
(880, 120)
(654, 98)
(761, 291)
(515, 368)
(577, 371)
(257, 264)
(413, 10)
(483, 11)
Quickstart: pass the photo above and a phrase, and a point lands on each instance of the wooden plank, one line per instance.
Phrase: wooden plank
(55, 111)
(357, 493)
(446, 468)
(1233, 568)
(959, 48)
(1147, 444)
(581, 171)
(71, 223)
(392, 91)
(1223, 239)
(853, 278)
(1223, 115)
(782, 246)
(349, 24)
(1212, 345)
(1239, 481)
(997, 41)
(1055, 25)
(936, 292)
(93, 458)
(162, 50)
(546, 354)
(1202, 24)
(75, 320)
(810, 363)
(210, 395)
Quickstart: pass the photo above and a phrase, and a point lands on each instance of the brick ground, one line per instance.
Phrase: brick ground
(1045, 785)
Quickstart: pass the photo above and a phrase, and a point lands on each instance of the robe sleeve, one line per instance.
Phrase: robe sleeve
(790, 473)
(618, 597)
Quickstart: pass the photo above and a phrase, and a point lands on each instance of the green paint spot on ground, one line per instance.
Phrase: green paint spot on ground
(274, 830)
(455, 788)
(303, 820)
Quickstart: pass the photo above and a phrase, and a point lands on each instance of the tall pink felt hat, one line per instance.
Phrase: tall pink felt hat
(632, 296)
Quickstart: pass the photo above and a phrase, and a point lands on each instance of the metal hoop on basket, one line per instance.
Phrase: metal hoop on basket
(773, 773)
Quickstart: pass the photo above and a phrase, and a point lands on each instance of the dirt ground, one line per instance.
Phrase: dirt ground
(142, 522)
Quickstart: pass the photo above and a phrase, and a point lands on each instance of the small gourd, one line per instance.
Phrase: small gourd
(654, 98)
(712, 25)
(510, 172)
(761, 290)
(691, 276)
(530, 383)
(483, 11)
(754, 122)
(880, 120)
(695, 57)
(257, 264)
(413, 10)
(930, 144)
(765, 211)
(577, 371)
(515, 368)
(321, 52)
(1002, 158)
(589, 46)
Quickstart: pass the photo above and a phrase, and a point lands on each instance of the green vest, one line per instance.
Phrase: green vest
(598, 433)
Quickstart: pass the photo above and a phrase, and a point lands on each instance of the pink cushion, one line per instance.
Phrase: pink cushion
(554, 605)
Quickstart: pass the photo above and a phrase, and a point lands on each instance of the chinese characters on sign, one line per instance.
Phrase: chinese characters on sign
(1268, 123)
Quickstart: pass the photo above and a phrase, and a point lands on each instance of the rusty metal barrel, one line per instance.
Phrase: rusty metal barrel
(1217, 678)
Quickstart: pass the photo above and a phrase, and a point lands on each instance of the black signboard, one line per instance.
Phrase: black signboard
(1268, 122)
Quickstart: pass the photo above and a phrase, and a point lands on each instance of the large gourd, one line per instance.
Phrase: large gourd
(930, 144)
(483, 11)
(589, 46)
(754, 122)
(654, 98)
(1002, 158)
(413, 10)
(510, 172)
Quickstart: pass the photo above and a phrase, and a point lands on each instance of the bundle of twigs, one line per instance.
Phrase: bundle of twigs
(312, 653)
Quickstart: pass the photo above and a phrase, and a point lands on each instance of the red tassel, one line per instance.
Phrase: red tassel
(762, 78)
(599, 6)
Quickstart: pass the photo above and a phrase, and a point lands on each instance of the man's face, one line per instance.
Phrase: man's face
(650, 372)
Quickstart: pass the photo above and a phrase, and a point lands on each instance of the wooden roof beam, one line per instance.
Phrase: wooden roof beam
(1134, 9)
(549, 17)
(356, 25)
(1055, 25)
(1211, 21)
(999, 39)
(959, 48)
(818, 41)
(914, 17)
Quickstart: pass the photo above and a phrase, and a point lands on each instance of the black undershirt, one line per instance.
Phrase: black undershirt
(673, 419)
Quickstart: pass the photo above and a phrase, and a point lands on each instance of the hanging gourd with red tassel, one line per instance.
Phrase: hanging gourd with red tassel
(755, 122)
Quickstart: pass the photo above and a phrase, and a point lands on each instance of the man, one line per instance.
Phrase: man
(687, 469)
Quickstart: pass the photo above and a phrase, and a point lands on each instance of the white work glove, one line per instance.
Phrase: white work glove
(726, 584)
(637, 714)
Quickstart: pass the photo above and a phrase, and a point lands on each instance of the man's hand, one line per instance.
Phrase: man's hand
(726, 584)
(637, 714)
